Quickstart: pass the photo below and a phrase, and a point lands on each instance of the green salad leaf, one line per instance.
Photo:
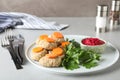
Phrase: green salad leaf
(76, 57)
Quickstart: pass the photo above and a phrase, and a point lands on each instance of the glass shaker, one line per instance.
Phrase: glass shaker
(114, 14)
(101, 19)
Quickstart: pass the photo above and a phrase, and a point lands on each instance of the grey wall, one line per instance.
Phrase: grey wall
(54, 8)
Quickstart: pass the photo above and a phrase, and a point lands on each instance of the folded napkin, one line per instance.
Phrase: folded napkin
(29, 22)
(8, 22)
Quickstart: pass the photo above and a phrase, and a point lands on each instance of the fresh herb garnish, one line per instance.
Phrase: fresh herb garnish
(76, 57)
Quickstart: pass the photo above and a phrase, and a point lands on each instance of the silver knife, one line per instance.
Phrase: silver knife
(21, 46)
(16, 49)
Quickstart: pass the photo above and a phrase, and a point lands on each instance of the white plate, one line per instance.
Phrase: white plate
(108, 58)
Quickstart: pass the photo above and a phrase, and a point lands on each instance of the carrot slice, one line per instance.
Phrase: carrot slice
(58, 35)
(37, 49)
(55, 53)
(64, 44)
(44, 36)
(58, 51)
(50, 40)
(51, 55)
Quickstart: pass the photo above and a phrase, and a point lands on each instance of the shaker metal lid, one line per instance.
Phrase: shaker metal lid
(102, 10)
(115, 5)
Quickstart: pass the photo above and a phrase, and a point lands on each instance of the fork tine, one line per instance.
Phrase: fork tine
(4, 42)
(5, 33)
(1, 42)
(7, 41)
(9, 34)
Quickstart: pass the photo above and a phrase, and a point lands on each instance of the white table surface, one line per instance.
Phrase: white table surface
(78, 26)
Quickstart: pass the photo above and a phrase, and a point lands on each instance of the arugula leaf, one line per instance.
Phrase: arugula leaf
(70, 64)
(90, 64)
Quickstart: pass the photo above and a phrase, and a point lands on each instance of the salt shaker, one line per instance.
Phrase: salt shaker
(101, 19)
(114, 14)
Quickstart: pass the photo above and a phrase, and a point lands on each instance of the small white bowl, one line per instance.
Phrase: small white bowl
(97, 48)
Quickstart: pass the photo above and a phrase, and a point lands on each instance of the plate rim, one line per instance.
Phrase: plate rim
(72, 72)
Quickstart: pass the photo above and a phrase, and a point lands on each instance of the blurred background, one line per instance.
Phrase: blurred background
(54, 8)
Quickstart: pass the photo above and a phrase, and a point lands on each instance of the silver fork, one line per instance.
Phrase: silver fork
(5, 44)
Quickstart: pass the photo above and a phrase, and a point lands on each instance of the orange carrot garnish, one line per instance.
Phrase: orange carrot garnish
(44, 36)
(37, 49)
(55, 53)
(64, 44)
(52, 56)
(50, 40)
(58, 35)
(58, 51)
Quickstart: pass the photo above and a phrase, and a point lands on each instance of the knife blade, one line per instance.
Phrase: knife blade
(21, 46)
(18, 44)
(16, 49)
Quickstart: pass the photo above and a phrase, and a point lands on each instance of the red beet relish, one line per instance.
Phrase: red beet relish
(92, 41)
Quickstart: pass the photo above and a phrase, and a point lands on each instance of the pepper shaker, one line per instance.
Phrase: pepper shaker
(101, 19)
(114, 14)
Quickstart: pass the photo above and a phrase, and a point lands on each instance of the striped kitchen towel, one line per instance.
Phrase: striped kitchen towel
(33, 22)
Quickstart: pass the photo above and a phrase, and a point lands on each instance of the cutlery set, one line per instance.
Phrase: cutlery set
(15, 46)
